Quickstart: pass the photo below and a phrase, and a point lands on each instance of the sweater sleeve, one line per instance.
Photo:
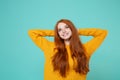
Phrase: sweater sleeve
(38, 37)
(98, 37)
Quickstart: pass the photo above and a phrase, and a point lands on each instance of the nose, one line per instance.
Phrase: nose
(63, 30)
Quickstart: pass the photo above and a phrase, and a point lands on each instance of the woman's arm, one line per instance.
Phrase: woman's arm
(38, 37)
(98, 37)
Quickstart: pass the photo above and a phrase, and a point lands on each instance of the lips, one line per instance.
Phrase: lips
(65, 34)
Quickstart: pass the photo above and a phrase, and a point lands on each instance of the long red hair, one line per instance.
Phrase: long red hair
(60, 59)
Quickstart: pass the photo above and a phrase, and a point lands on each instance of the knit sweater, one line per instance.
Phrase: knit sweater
(38, 37)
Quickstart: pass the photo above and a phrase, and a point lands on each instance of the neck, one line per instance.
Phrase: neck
(67, 42)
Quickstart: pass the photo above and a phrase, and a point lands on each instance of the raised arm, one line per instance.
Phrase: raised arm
(98, 37)
(38, 37)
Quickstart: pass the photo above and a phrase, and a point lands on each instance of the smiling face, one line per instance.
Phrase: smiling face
(64, 31)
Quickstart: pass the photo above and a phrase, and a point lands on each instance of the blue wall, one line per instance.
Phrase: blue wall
(20, 59)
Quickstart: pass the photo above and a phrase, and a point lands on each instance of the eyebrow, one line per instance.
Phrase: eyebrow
(65, 26)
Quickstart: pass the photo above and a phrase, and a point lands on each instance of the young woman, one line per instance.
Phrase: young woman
(67, 58)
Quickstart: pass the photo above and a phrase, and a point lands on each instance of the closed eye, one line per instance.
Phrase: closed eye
(59, 30)
(66, 26)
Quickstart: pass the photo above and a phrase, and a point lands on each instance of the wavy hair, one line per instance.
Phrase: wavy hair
(60, 59)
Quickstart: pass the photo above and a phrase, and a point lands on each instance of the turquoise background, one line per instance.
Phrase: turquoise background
(21, 59)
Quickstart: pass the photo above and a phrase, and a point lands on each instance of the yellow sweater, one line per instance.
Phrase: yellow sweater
(38, 37)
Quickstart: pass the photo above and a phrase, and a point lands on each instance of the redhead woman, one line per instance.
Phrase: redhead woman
(67, 58)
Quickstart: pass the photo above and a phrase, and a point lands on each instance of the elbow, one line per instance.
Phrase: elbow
(30, 32)
(106, 32)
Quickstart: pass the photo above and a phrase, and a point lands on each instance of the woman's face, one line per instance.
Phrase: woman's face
(64, 31)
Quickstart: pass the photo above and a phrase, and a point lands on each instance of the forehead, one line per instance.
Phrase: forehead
(61, 25)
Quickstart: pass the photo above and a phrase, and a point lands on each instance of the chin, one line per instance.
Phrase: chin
(66, 38)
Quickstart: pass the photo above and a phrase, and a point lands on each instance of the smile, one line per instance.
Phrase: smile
(65, 34)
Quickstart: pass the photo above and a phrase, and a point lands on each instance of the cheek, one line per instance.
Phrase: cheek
(70, 33)
(59, 33)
